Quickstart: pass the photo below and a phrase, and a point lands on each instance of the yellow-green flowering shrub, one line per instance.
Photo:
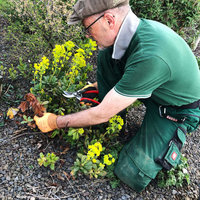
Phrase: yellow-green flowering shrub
(116, 124)
(99, 159)
(65, 71)
(75, 133)
(49, 160)
(93, 164)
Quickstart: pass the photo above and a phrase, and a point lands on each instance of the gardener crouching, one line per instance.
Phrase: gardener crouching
(138, 59)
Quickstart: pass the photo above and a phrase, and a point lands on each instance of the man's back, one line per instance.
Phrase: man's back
(160, 63)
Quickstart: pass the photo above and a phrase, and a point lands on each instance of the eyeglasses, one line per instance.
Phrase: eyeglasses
(87, 32)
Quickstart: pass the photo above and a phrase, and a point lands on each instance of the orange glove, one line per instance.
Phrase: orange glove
(47, 122)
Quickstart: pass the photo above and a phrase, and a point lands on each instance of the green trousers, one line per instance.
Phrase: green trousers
(136, 165)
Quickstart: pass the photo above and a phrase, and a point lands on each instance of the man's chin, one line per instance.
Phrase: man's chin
(101, 47)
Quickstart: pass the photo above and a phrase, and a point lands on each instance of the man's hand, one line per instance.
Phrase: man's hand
(89, 92)
(47, 122)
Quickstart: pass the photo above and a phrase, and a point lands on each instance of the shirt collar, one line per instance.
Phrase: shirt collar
(126, 32)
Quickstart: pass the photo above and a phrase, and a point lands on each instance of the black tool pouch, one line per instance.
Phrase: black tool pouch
(172, 155)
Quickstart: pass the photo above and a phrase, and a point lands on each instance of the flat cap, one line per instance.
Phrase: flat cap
(86, 8)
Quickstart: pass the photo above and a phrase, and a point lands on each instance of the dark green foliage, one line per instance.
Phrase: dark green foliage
(177, 176)
(36, 26)
(177, 14)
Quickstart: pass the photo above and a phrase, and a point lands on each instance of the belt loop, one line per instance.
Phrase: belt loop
(162, 113)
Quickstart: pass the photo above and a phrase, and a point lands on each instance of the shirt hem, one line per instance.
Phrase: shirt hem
(136, 96)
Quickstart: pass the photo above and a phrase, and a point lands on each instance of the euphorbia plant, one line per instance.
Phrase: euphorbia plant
(93, 163)
(49, 160)
(66, 70)
(98, 159)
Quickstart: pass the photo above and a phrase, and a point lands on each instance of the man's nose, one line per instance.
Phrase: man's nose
(87, 35)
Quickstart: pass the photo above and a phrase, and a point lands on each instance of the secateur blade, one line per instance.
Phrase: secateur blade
(77, 94)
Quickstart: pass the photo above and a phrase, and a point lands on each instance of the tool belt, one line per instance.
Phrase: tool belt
(163, 111)
(171, 156)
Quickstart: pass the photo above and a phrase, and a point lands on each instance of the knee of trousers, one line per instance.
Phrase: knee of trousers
(129, 173)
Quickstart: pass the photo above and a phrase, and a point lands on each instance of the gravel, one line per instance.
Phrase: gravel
(22, 178)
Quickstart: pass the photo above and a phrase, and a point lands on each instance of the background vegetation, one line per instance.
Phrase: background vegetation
(183, 16)
(36, 26)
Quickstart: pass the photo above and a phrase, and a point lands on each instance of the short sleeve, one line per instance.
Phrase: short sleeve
(142, 77)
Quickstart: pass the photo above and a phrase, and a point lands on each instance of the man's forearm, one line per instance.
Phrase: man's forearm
(112, 104)
(81, 119)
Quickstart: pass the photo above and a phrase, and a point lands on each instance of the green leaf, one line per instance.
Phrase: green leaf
(88, 165)
(103, 173)
(46, 164)
(79, 155)
(187, 177)
(55, 132)
(84, 171)
(52, 166)
(76, 169)
(41, 155)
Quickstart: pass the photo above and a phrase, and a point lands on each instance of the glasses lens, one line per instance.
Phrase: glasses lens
(87, 32)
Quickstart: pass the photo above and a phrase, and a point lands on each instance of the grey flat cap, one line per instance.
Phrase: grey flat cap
(86, 8)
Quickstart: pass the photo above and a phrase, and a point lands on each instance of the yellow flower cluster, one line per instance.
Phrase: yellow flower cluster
(81, 131)
(69, 45)
(62, 52)
(108, 159)
(42, 66)
(117, 119)
(91, 45)
(81, 51)
(94, 150)
(101, 165)
(59, 52)
(79, 59)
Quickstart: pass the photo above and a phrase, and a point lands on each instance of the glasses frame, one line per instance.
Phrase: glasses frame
(87, 28)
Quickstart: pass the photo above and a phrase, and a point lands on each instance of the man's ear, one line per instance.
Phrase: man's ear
(110, 18)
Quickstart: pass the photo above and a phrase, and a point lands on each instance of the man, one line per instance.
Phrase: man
(138, 59)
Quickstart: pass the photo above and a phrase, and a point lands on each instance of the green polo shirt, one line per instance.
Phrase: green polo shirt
(157, 63)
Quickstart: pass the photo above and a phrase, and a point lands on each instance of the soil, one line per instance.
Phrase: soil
(22, 178)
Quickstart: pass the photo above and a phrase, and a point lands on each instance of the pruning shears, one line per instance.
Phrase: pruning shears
(79, 95)
(76, 94)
